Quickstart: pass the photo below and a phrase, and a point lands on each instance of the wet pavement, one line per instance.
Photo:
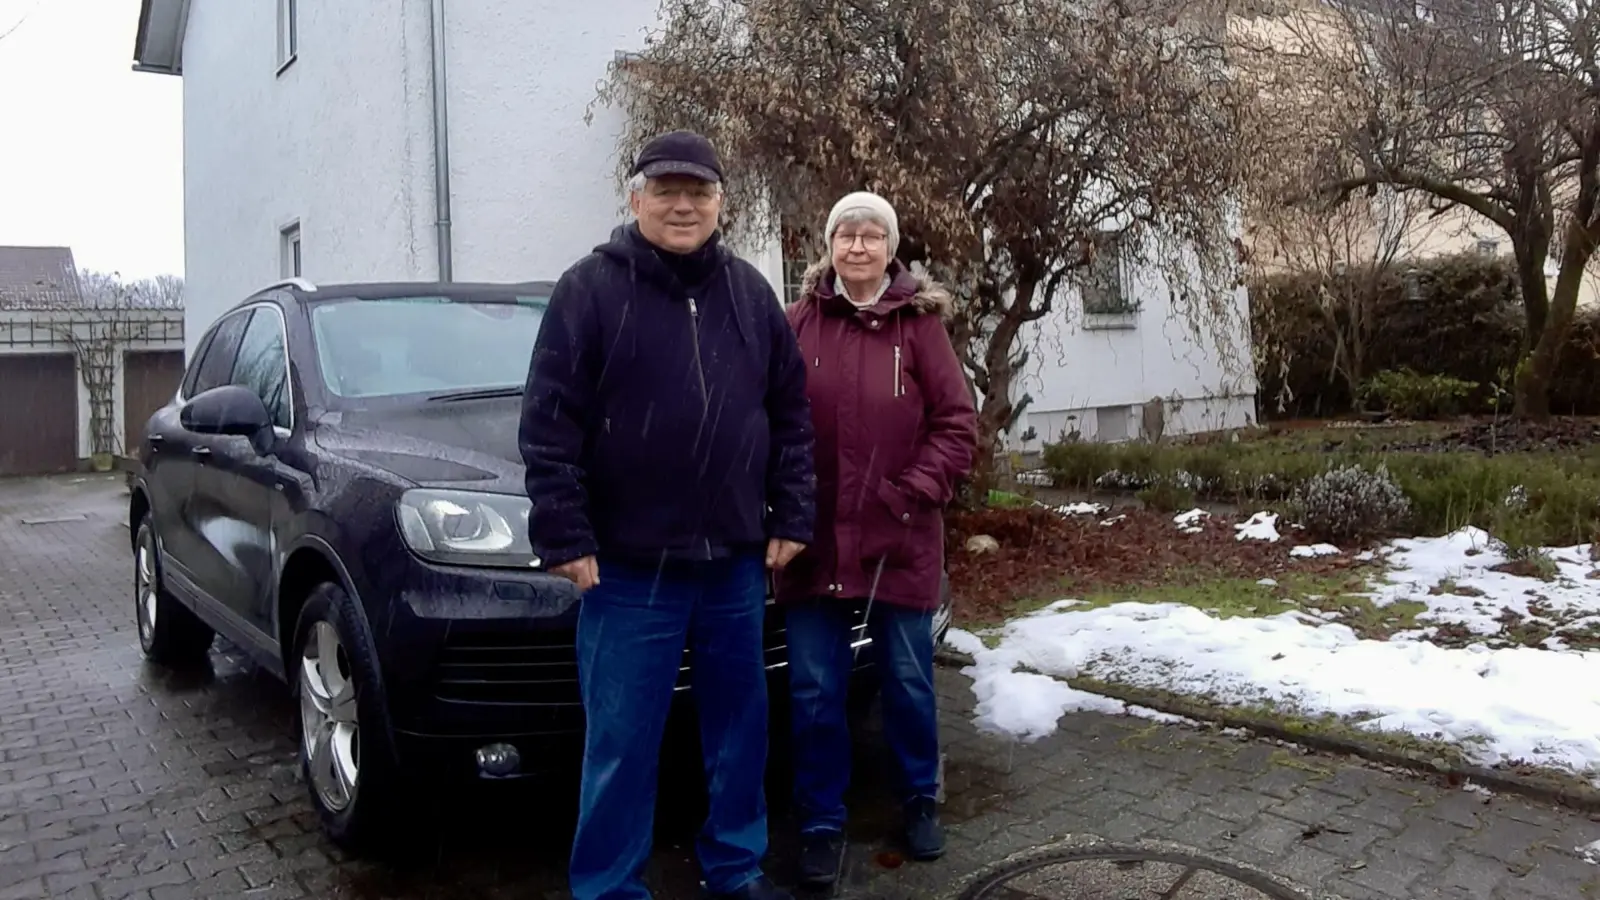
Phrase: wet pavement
(120, 780)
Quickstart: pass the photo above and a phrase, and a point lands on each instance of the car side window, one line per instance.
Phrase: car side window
(261, 365)
(216, 367)
(193, 375)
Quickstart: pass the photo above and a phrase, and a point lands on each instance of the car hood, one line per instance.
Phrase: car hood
(436, 445)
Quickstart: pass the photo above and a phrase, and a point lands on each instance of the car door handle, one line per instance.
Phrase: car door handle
(155, 439)
(201, 452)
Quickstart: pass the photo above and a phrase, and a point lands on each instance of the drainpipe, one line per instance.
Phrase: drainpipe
(441, 142)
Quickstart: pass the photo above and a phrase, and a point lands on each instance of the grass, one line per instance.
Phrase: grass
(1528, 500)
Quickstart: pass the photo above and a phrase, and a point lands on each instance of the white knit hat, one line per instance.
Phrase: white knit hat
(876, 206)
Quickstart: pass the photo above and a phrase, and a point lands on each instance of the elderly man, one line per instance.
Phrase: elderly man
(667, 438)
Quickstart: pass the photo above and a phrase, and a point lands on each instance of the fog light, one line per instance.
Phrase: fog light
(499, 760)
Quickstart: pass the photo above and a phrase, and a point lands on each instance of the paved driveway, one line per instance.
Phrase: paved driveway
(120, 780)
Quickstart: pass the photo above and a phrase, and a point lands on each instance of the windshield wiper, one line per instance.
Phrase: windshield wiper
(479, 394)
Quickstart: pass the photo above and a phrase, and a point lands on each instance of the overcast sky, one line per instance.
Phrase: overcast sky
(91, 153)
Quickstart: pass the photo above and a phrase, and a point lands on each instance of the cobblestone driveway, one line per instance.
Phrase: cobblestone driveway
(118, 780)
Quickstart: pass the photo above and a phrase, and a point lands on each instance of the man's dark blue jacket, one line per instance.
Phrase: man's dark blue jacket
(662, 420)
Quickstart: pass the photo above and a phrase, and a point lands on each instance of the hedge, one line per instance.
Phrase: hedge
(1525, 499)
(1463, 319)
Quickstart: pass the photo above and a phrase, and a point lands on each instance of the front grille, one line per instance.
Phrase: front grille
(539, 669)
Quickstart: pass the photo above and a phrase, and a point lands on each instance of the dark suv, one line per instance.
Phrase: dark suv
(337, 490)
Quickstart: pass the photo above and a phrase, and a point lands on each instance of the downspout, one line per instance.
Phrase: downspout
(441, 142)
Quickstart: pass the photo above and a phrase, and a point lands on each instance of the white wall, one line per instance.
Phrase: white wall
(1077, 366)
(342, 141)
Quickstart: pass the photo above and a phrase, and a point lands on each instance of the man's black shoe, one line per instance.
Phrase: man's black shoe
(924, 834)
(821, 853)
(761, 888)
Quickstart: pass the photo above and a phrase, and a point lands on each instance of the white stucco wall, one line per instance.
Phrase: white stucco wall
(1078, 367)
(342, 142)
(339, 141)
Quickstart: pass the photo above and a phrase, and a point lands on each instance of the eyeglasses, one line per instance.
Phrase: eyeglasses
(699, 195)
(868, 241)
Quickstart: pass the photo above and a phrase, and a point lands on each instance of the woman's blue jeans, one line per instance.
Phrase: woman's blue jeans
(820, 665)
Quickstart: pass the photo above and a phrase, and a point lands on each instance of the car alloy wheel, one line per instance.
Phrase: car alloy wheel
(146, 589)
(329, 721)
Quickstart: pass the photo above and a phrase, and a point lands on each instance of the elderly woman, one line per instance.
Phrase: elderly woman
(895, 428)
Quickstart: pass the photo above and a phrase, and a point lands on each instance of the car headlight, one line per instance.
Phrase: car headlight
(467, 528)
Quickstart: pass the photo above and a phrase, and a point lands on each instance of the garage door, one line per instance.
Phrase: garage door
(38, 414)
(149, 381)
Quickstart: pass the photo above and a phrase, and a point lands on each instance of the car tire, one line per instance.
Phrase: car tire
(169, 632)
(345, 750)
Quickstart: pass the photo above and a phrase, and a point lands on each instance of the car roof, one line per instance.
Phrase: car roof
(379, 290)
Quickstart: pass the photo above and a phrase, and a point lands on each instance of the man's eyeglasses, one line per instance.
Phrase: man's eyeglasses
(868, 241)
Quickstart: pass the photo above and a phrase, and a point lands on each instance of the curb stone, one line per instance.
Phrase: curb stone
(1080, 843)
(1548, 788)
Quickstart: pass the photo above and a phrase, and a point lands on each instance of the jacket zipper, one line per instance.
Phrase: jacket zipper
(694, 339)
(897, 389)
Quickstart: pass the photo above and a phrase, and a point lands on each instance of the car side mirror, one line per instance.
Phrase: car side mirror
(230, 410)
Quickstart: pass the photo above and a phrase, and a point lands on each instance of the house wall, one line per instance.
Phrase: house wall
(341, 141)
(31, 332)
(1093, 374)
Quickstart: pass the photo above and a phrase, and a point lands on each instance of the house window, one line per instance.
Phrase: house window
(1488, 246)
(794, 272)
(289, 252)
(1103, 283)
(288, 33)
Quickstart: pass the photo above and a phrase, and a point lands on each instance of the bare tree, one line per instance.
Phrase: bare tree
(1487, 106)
(1349, 250)
(1016, 138)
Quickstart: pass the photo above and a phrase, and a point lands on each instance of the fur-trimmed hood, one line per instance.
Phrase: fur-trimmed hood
(919, 292)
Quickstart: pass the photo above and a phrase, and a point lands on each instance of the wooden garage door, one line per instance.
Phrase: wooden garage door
(149, 381)
(38, 414)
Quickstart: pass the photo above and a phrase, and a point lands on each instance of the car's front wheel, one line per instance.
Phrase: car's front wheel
(345, 751)
(169, 632)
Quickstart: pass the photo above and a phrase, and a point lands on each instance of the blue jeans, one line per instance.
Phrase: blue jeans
(632, 629)
(820, 662)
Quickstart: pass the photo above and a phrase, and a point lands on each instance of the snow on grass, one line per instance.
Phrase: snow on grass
(1310, 551)
(1501, 704)
(1080, 509)
(1191, 522)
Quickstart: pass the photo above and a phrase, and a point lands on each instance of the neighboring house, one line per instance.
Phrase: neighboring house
(78, 377)
(427, 139)
(1389, 228)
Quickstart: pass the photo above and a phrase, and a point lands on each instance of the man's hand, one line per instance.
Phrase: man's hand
(781, 552)
(584, 572)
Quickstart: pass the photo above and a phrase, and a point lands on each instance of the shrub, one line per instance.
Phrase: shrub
(1167, 494)
(1077, 464)
(1351, 503)
(1409, 395)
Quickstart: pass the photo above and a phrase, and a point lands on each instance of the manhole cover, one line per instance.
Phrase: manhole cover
(1126, 873)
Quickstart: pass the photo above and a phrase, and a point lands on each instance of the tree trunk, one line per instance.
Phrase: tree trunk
(994, 413)
(1552, 314)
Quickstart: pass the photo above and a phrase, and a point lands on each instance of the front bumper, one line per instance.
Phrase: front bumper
(478, 657)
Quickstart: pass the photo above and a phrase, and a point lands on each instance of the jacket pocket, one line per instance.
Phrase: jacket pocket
(889, 527)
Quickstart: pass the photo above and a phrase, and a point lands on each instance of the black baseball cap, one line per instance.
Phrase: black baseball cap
(679, 153)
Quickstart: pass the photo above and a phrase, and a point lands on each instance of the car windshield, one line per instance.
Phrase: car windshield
(424, 345)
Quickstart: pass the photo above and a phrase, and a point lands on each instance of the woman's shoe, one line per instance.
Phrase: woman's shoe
(821, 856)
(924, 834)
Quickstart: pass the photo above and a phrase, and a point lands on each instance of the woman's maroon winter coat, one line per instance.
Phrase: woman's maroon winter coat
(895, 429)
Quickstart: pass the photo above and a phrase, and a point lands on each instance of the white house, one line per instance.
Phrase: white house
(426, 139)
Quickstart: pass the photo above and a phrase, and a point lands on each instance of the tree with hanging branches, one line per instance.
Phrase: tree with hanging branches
(1017, 139)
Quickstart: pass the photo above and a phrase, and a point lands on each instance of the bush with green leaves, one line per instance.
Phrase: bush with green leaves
(1351, 503)
(1409, 395)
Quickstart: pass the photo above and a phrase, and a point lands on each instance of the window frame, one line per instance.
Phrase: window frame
(288, 34)
(291, 255)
